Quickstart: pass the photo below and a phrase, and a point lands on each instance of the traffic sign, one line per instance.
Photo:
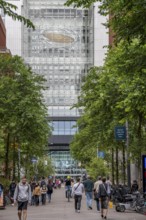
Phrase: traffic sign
(120, 133)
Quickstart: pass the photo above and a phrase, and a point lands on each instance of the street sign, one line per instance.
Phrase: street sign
(34, 160)
(120, 133)
(100, 154)
(144, 172)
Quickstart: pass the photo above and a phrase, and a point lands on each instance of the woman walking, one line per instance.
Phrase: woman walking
(103, 195)
(36, 194)
(77, 191)
(49, 190)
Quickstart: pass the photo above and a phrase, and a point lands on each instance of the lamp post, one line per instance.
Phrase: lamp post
(128, 162)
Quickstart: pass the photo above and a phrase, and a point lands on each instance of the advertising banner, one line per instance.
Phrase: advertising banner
(1, 197)
(144, 172)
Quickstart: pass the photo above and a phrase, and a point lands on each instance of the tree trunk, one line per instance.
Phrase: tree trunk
(7, 156)
(124, 165)
(113, 167)
(117, 166)
(14, 160)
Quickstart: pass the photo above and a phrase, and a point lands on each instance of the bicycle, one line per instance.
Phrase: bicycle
(68, 194)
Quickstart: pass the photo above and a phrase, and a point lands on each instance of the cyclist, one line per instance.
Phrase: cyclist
(68, 183)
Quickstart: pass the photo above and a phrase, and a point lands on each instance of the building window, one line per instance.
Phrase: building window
(64, 127)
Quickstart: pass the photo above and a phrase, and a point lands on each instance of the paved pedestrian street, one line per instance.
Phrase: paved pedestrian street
(60, 209)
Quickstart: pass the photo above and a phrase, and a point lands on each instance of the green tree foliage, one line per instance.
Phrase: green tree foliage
(128, 17)
(23, 115)
(10, 10)
(43, 167)
(110, 96)
(97, 167)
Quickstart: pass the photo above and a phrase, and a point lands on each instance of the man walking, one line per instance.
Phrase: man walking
(88, 185)
(77, 191)
(12, 190)
(96, 189)
(22, 196)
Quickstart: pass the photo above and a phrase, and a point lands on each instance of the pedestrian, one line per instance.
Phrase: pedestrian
(77, 191)
(49, 190)
(89, 186)
(96, 194)
(43, 181)
(32, 185)
(22, 196)
(109, 187)
(36, 194)
(2, 205)
(43, 193)
(68, 186)
(103, 195)
(134, 187)
(12, 190)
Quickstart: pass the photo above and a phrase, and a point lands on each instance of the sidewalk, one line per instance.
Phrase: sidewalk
(60, 209)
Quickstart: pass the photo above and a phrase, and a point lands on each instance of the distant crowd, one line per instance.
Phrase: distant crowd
(40, 192)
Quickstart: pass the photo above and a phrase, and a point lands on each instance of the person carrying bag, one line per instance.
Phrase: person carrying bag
(77, 191)
(103, 195)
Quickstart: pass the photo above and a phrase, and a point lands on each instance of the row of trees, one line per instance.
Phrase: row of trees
(24, 128)
(115, 93)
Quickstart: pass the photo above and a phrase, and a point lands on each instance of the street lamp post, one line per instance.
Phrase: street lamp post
(128, 161)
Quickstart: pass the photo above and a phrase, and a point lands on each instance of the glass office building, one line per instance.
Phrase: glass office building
(61, 49)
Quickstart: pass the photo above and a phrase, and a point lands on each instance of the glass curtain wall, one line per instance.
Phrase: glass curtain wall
(61, 49)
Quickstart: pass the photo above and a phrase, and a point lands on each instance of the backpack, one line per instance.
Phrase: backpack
(13, 186)
(44, 187)
(50, 188)
(103, 190)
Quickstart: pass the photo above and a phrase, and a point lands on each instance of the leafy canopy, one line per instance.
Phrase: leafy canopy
(10, 10)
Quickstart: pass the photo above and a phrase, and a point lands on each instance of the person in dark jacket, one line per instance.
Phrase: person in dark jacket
(49, 190)
(103, 195)
(12, 190)
(88, 186)
(134, 187)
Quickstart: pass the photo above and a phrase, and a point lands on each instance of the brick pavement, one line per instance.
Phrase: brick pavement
(60, 209)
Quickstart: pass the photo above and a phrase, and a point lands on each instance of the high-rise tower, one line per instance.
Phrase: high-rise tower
(61, 49)
(67, 41)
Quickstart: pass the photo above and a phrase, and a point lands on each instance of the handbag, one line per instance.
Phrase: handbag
(110, 204)
(96, 195)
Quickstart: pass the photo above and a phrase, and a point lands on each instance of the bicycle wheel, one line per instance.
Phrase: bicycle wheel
(68, 195)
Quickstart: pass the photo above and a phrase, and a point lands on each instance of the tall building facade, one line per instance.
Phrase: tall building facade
(61, 49)
(66, 42)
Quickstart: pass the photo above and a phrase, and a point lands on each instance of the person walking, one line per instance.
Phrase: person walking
(134, 187)
(109, 187)
(77, 191)
(12, 190)
(49, 190)
(96, 189)
(36, 194)
(103, 195)
(22, 196)
(32, 185)
(89, 186)
(43, 194)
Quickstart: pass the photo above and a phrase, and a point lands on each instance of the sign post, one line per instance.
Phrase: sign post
(120, 133)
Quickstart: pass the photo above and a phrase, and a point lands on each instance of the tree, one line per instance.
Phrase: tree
(9, 9)
(23, 115)
(127, 17)
(110, 96)
(43, 167)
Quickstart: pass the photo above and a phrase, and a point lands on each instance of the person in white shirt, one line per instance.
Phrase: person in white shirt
(77, 191)
(96, 188)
